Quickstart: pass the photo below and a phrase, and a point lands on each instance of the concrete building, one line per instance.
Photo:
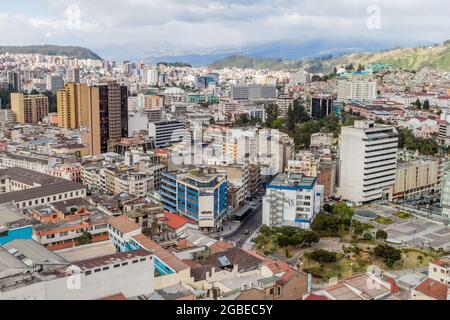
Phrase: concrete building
(54, 83)
(368, 161)
(445, 193)
(29, 271)
(416, 178)
(253, 92)
(357, 90)
(292, 200)
(73, 106)
(166, 133)
(29, 109)
(13, 80)
(107, 116)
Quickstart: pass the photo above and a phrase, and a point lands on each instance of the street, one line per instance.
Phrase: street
(251, 223)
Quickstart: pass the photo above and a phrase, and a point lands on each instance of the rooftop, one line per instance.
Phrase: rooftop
(168, 258)
(111, 259)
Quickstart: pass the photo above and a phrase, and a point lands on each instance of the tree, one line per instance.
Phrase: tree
(272, 114)
(381, 235)
(343, 210)
(367, 236)
(290, 121)
(418, 104)
(323, 256)
(327, 208)
(389, 254)
(85, 238)
(426, 105)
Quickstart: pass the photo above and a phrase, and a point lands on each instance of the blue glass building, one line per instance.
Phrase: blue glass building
(198, 195)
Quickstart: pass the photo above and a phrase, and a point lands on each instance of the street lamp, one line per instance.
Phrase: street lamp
(404, 262)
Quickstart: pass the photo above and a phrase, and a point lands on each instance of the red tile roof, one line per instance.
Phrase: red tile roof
(221, 246)
(277, 266)
(444, 263)
(313, 296)
(433, 289)
(176, 221)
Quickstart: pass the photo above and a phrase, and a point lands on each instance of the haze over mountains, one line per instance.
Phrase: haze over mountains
(317, 56)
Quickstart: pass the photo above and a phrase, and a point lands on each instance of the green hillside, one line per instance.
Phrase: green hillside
(435, 57)
(244, 62)
(52, 50)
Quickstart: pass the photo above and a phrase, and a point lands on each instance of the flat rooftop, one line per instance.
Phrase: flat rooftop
(297, 181)
(90, 251)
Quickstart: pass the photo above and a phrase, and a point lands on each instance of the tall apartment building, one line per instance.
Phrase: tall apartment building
(73, 106)
(13, 80)
(445, 193)
(200, 195)
(368, 161)
(107, 116)
(29, 108)
(73, 75)
(283, 103)
(292, 200)
(54, 83)
(166, 133)
(357, 90)
(321, 106)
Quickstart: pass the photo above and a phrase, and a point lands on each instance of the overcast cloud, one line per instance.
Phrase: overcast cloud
(217, 23)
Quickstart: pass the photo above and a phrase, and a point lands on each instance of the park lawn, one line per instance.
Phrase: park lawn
(403, 215)
(346, 267)
(384, 220)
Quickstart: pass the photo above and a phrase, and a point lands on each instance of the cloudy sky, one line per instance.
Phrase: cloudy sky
(220, 23)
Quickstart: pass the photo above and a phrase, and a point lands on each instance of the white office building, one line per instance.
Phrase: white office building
(166, 133)
(292, 200)
(368, 161)
(357, 90)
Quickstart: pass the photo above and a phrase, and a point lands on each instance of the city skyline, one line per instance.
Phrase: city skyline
(173, 25)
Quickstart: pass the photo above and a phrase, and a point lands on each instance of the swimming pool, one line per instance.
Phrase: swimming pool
(19, 233)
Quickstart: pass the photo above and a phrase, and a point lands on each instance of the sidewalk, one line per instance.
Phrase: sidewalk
(229, 227)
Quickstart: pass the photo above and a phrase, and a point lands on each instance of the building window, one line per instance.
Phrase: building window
(87, 273)
(124, 264)
(105, 268)
(97, 270)
(116, 265)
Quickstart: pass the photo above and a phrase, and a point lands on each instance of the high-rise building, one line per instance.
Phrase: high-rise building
(292, 200)
(107, 116)
(445, 193)
(166, 133)
(151, 77)
(73, 106)
(54, 83)
(13, 80)
(321, 106)
(357, 90)
(368, 161)
(29, 108)
(73, 75)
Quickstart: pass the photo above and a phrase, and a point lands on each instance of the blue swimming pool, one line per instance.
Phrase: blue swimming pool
(19, 233)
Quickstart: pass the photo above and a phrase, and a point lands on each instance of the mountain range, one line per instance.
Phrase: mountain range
(52, 50)
(316, 56)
